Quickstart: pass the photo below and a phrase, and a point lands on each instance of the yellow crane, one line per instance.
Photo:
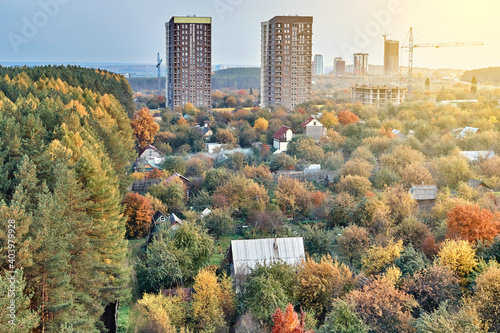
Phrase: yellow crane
(411, 46)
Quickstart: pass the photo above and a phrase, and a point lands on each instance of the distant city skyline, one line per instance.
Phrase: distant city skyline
(66, 31)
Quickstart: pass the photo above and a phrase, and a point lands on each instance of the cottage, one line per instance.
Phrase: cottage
(174, 221)
(479, 186)
(424, 195)
(282, 137)
(314, 128)
(150, 152)
(157, 221)
(244, 255)
(205, 131)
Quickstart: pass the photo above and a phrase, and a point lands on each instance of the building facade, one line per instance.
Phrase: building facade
(378, 95)
(360, 66)
(318, 64)
(189, 61)
(391, 57)
(286, 60)
(338, 67)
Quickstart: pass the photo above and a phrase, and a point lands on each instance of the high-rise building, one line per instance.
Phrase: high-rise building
(391, 57)
(338, 66)
(360, 66)
(286, 60)
(189, 61)
(378, 95)
(318, 64)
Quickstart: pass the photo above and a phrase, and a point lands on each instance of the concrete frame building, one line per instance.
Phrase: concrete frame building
(360, 66)
(391, 57)
(338, 66)
(286, 60)
(378, 95)
(189, 61)
(318, 64)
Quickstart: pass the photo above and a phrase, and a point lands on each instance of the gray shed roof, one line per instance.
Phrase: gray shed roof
(246, 254)
(424, 192)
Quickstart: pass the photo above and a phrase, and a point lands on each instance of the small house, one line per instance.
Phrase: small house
(243, 255)
(314, 128)
(205, 213)
(282, 137)
(205, 131)
(424, 195)
(158, 219)
(461, 133)
(214, 148)
(150, 152)
(312, 168)
(479, 186)
(174, 221)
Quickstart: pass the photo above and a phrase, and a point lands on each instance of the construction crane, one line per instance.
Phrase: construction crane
(158, 63)
(411, 46)
(385, 36)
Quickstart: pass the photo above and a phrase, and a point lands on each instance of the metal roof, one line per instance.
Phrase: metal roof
(424, 192)
(246, 254)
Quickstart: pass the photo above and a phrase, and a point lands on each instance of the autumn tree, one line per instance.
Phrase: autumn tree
(288, 322)
(305, 147)
(225, 136)
(487, 296)
(377, 258)
(352, 243)
(432, 286)
(332, 141)
(356, 186)
(261, 125)
(472, 223)
(321, 281)
(139, 212)
(347, 117)
(400, 203)
(159, 313)
(329, 119)
(145, 127)
(357, 167)
(400, 158)
(459, 256)
(384, 307)
(219, 223)
(416, 174)
(452, 169)
(236, 192)
(292, 195)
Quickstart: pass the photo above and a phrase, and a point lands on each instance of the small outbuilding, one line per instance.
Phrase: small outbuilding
(424, 195)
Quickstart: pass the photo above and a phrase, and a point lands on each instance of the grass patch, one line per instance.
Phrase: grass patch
(221, 247)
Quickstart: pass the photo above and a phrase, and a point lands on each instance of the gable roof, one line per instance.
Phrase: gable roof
(176, 175)
(279, 133)
(174, 219)
(474, 183)
(158, 215)
(308, 120)
(467, 130)
(424, 192)
(246, 254)
(150, 147)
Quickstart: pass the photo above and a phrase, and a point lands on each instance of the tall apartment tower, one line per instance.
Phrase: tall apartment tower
(391, 57)
(189, 61)
(360, 66)
(286, 60)
(318, 64)
(338, 66)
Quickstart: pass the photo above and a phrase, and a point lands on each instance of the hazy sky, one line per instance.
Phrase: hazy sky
(130, 31)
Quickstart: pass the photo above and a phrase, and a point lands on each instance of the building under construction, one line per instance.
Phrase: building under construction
(391, 57)
(360, 66)
(378, 95)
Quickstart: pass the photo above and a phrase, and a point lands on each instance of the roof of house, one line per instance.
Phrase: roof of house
(424, 192)
(205, 212)
(474, 155)
(174, 219)
(398, 134)
(474, 183)
(150, 147)
(467, 130)
(246, 254)
(308, 120)
(158, 215)
(176, 175)
(279, 133)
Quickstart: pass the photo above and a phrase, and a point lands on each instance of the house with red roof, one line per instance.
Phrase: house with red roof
(282, 137)
(313, 127)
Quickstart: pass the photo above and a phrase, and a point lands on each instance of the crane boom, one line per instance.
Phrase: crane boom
(158, 63)
(411, 46)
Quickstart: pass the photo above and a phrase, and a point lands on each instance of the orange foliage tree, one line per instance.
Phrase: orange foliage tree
(288, 322)
(347, 117)
(139, 212)
(153, 174)
(472, 223)
(145, 127)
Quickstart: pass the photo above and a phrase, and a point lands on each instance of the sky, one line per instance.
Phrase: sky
(131, 31)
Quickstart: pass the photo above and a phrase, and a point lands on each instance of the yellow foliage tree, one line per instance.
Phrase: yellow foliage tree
(459, 256)
(319, 282)
(145, 127)
(329, 119)
(376, 258)
(161, 314)
(261, 125)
